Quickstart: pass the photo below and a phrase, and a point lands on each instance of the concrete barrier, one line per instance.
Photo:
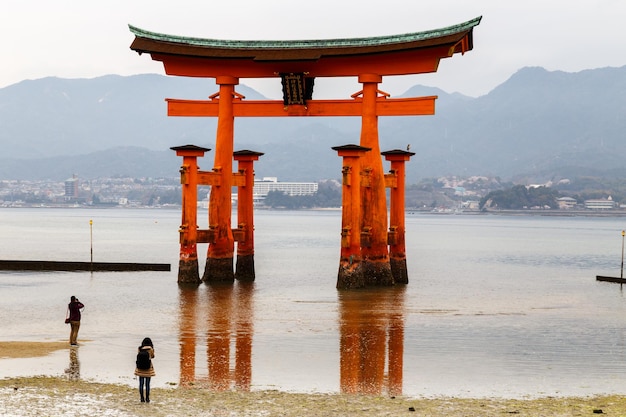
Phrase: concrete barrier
(14, 265)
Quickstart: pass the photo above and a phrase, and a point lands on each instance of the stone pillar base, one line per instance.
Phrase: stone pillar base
(377, 273)
(245, 268)
(398, 270)
(218, 270)
(350, 275)
(188, 272)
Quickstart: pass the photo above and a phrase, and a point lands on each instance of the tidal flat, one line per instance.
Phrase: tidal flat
(57, 396)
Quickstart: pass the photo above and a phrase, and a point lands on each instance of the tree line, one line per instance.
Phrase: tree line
(520, 197)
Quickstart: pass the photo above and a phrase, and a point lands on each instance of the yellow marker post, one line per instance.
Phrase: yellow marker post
(621, 274)
(91, 242)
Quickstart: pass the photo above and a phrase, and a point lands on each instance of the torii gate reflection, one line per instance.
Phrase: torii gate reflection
(297, 64)
(371, 338)
(227, 311)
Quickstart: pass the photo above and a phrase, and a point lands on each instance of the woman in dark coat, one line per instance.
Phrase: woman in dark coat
(145, 374)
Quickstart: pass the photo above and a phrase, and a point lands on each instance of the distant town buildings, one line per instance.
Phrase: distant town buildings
(600, 204)
(445, 194)
(263, 187)
(566, 203)
(71, 189)
(266, 185)
(119, 191)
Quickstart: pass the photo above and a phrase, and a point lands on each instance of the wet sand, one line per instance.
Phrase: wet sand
(30, 349)
(62, 396)
(58, 396)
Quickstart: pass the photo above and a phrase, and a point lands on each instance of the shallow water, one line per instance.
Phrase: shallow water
(496, 306)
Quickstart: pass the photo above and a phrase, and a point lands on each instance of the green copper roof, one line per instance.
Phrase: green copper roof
(307, 44)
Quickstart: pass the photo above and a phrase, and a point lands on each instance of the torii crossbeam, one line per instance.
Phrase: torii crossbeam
(297, 64)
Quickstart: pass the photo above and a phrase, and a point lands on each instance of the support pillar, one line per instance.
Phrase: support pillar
(188, 263)
(350, 262)
(244, 270)
(377, 270)
(397, 246)
(219, 264)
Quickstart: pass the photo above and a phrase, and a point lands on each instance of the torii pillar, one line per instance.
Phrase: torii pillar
(377, 270)
(245, 215)
(397, 246)
(188, 263)
(350, 263)
(219, 263)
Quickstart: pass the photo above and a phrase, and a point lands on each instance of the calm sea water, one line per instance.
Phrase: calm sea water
(496, 306)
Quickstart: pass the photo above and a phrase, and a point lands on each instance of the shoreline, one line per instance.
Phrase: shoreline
(62, 396)
(409, 211)
(530, 213)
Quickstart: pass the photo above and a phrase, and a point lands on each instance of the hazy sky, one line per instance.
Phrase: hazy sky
(86, 39)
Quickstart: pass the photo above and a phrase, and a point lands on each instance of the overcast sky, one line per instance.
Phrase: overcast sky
(86, 39)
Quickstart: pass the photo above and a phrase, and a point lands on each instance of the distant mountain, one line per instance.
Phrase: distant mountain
(538, 124)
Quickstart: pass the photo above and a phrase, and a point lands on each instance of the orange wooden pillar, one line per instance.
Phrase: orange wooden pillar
(350, 262)
(377, 270)
(244, 270)
(188, 263)
(219, 264)
(397, 246)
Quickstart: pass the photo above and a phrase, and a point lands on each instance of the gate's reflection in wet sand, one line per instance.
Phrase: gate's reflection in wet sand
(371, 333)
(222, 311)
(372, 336)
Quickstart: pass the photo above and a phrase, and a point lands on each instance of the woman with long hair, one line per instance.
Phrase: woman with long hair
(144, 369)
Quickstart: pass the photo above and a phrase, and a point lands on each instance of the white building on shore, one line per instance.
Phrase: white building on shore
(600, 204)
(263, 187)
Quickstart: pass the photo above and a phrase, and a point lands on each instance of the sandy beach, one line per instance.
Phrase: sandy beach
(64, 396)
(52, 396)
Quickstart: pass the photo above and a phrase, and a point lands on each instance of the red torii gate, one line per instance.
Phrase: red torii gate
(298, 63)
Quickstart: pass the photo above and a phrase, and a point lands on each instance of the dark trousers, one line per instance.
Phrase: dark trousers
(144, 380)
(74, 326)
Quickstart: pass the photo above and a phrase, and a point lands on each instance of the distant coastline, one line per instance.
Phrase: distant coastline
(408, 211)
(547, 213)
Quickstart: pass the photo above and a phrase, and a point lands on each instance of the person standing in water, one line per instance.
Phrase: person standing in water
(74, 308)
(145, 369)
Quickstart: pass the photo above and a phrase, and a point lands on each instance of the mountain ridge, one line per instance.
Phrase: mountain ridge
(537, 124)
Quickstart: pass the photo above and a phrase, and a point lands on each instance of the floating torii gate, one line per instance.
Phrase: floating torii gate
(365, 239)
